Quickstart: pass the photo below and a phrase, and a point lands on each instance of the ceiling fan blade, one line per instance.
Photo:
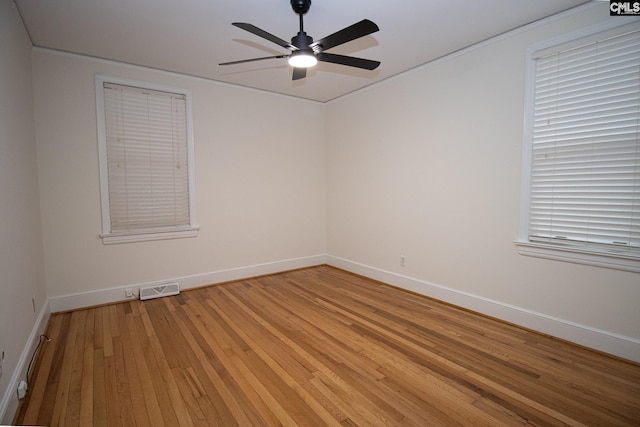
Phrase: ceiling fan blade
(351, 61)
(299, 73)
(355, 31)
(242, 61)
(262, 33)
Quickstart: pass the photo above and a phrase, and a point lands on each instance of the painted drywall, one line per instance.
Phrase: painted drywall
(427, 165)
(21, 255)
(259, 165)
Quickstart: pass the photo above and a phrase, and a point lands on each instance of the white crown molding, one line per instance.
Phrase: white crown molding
(488, 42)
(159, 71)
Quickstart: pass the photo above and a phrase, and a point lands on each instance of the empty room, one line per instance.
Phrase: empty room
(295, 212)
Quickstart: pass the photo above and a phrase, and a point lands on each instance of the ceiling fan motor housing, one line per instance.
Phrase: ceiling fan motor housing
(300, 6)
(301, 41)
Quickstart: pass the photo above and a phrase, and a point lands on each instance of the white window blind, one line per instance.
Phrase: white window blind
(585, 164)
(147, 165)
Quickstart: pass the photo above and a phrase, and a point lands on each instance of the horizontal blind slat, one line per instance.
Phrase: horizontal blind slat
(585, 177)
(147, 158)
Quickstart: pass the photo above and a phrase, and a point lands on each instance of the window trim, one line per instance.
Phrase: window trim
(600, 257)
(109, 237)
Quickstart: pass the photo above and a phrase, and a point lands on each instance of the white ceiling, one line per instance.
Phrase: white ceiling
(193, 36)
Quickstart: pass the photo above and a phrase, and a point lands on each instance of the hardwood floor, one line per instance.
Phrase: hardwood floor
(317, 346)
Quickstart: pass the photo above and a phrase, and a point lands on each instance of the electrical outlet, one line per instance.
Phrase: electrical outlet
(402, 261)
(128, 293)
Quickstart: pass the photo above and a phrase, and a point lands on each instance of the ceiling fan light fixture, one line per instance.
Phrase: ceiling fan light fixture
(305, 53)
(301, 59)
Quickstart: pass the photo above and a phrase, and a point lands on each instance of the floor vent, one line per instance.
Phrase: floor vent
(159, 291)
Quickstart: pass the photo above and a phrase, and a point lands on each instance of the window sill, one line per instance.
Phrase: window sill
(116, 238)
(617, 261)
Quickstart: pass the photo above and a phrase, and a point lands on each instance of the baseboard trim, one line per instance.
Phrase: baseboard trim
(604, 341)
(111, 295)
(10, 402)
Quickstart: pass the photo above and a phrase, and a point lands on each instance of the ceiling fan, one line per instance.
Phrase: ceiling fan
(305, 52)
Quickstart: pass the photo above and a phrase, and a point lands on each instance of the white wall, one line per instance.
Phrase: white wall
(427, 165)
(259, 182)
(21, 258)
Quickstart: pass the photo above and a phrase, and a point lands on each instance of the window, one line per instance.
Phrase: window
(146, 161)
(582, 150)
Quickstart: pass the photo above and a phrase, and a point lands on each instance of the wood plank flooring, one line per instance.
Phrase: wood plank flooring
(313, 347)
